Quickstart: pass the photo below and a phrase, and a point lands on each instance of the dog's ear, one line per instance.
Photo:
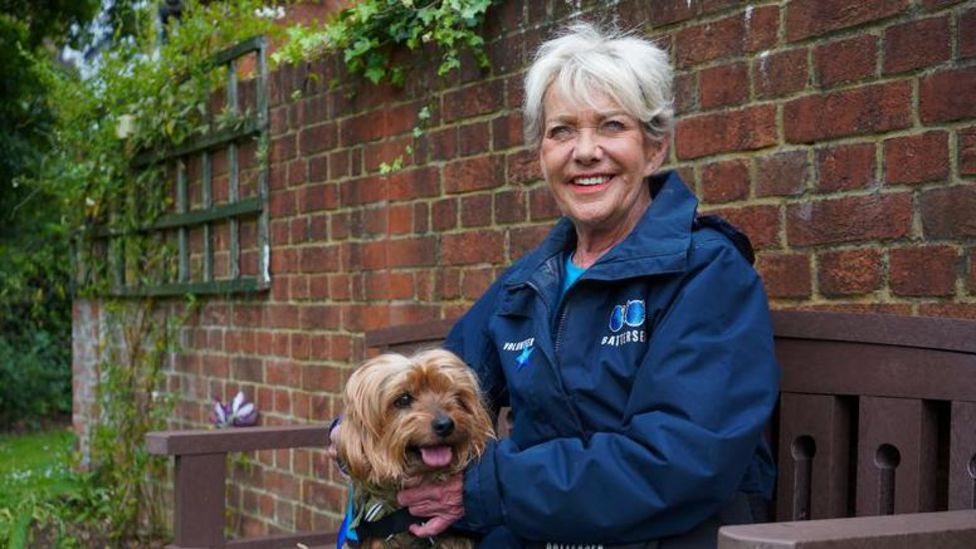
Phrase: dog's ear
(361, 440)
(357, 437)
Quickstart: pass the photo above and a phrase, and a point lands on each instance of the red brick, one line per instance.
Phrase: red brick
(948, 310)
(297, 172)
(725, 181)
(506, 131)
(917, 158)
(480, 98)
(247, 369)
(339, 164)
(318, 317)
(916, 44)
(971, 283)
(510, 207)
(542, 206)
(411, 252)
(778, 74)
(849, 272)
(868, 109)
(747, 129)
(400, 218)
(476, 210)
(421, 222)
(474, 138)
(923, 271)
(947, 95)
(388, 151)
(480, 172)
(845, 167)
(707, 41)
(664, 12)
(724, 85)
(523, 166)
(447, 285)
(472, 247)
(846, 60)
(966, 32)
(967, 150)
(524, 239)
(282, 204)
(762, 27)
(806, 18)
(932, 5)
(318, 138)
(785, 275)
(475, 282)
(318, 259)
(948, 212)
(709, 6)
(362, 128)
(364, 190)
(443, 143)
(782, 174)
(283, 148)
(413, 183)
(760, 223)
(685, 89)
(444, 214)
(849, 219)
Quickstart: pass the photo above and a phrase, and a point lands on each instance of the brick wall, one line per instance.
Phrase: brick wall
(839, 135)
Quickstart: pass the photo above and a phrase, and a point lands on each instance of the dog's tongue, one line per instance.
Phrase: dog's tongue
(436, 456)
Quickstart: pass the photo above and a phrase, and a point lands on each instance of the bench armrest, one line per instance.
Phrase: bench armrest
(200, 476)
(945, 529)
(243, 439)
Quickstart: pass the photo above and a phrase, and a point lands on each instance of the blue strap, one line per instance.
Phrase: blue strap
(344, 531)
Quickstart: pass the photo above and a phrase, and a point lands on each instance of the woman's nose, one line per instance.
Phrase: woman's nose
(587, 149)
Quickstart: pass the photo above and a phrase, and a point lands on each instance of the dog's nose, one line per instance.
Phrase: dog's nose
(442, 425)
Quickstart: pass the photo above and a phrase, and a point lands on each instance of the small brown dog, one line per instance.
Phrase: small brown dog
(418, 418)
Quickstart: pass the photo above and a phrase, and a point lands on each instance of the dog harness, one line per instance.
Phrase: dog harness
(374, 518)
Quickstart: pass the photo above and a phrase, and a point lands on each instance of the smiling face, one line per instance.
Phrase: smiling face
(595, 158)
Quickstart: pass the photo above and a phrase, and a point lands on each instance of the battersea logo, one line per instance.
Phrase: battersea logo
(631, 315)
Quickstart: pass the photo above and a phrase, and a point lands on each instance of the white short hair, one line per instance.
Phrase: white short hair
(586, 62)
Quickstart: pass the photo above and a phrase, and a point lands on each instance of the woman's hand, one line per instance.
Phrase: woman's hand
(443, 502)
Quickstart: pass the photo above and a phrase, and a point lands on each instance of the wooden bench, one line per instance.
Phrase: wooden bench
(877, 417)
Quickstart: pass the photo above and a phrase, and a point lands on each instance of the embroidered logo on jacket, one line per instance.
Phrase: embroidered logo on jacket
(630, 315)
(524, 348)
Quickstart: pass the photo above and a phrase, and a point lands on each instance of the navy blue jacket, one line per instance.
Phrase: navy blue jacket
(639, 399)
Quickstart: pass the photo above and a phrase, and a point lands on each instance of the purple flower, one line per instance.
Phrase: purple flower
(238, 413)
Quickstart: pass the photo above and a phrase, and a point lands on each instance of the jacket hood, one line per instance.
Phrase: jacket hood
(658, 244)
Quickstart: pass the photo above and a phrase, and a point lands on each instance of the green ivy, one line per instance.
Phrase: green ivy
(367, 33)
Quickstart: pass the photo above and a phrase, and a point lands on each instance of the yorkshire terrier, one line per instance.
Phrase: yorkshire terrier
(419, 418)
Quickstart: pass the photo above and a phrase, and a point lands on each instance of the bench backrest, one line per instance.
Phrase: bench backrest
(877, 413)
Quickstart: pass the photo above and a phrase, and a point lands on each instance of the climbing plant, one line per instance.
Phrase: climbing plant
(146, 94)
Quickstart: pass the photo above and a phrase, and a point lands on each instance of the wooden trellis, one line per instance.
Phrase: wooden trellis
(187, 217)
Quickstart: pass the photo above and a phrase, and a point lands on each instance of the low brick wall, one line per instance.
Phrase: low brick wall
(839, 135)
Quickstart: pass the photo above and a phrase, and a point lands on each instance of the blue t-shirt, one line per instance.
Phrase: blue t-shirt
(571, 273)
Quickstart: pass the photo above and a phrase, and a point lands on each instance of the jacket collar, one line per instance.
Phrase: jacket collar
(658, 244)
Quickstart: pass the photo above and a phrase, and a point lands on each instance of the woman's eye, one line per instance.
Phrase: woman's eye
(558, 132)
(403, 401)
(614, 126)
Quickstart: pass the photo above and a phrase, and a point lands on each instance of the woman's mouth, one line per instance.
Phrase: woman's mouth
(590, 182)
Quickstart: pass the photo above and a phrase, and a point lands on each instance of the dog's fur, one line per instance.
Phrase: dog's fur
(417, 417)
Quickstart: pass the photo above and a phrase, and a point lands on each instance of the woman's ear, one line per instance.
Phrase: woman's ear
(655, 153)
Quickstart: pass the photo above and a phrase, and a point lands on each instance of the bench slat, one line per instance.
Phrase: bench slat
(945, 530)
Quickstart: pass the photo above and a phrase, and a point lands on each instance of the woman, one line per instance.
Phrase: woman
(633, 345)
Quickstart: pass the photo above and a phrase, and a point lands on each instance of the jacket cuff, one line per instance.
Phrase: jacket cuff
(482, 503)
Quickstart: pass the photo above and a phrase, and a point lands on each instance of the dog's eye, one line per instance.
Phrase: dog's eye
(403, 401)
